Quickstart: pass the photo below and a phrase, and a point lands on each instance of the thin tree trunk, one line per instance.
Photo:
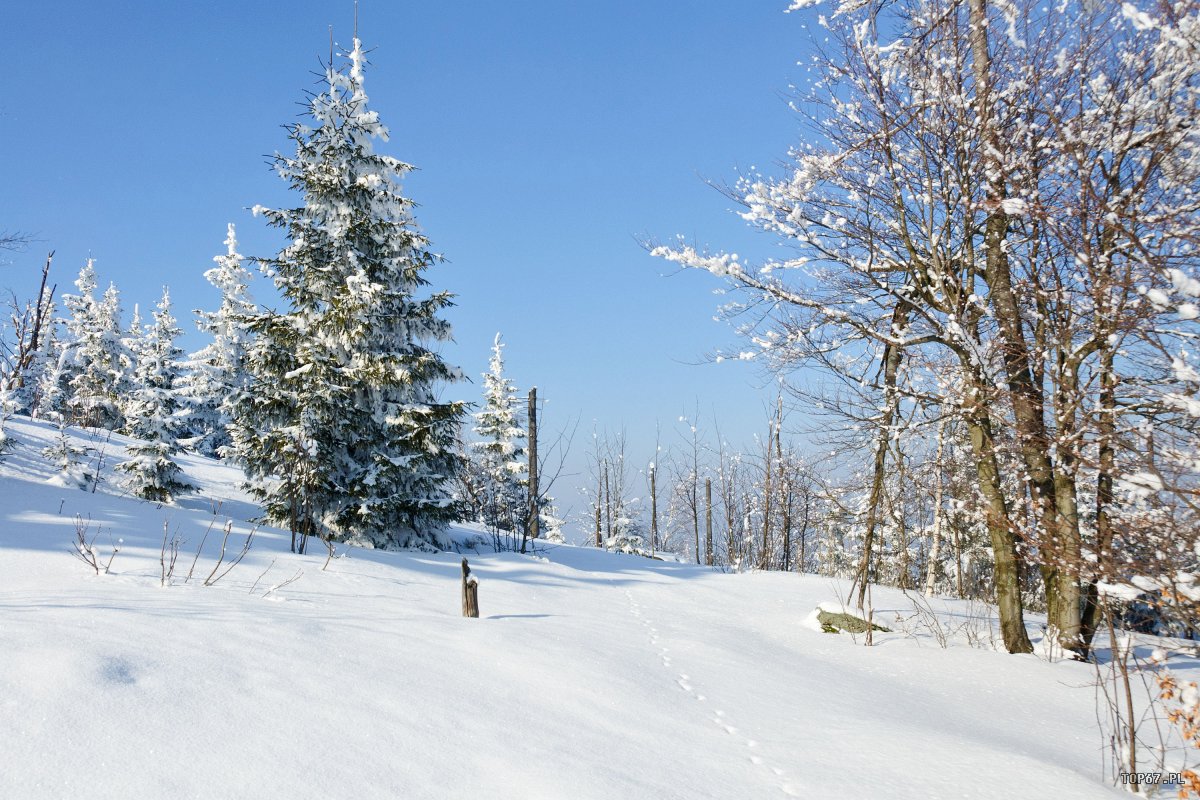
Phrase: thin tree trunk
(956, 536)
(608, 511)
(599, 498)
(785, 499)
(1105, 433)
(936, 546)
(891, 369)
(901, 517)
(764, 559)
(653, 511)
(708, 544)
(695, 513)
(532, 524)
(29, 331)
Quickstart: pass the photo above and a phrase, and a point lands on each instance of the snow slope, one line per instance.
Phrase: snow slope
(589, 675)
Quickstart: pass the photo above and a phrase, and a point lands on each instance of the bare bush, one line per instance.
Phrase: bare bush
(169, 555)
(83, 547)
(214, 577)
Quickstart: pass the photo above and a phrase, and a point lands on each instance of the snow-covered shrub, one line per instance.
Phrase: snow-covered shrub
(66, 456)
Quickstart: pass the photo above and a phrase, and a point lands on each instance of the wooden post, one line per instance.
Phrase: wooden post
(534, 512)
(470, 592)
(708, 553)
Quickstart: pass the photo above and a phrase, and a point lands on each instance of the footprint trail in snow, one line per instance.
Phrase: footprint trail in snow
(684, 681)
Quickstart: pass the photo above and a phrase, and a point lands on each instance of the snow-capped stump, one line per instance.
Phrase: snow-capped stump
(470, 592)
(843, 622)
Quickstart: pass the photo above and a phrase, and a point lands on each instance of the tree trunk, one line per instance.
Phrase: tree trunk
(653, 511)
(764, 558)
(1007, 573)
(891, 370)
(785, 498)
(532, 524)
(904, 577)
(1054, 538)
(29, 331)
(599, 540)
(1106, 425)
(708, 548)
(936, 547)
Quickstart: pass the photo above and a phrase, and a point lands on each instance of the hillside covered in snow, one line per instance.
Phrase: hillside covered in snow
(588, 675)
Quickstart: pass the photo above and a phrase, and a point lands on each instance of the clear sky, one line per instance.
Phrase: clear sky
(550, 136)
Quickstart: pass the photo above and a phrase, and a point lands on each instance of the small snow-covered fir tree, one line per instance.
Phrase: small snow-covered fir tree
(340, 429)
(499, 454)
(90, 366)
(549, 523)
(217, 372)
(628, 534)
(8, 407)
(67, 458)
(153, 416)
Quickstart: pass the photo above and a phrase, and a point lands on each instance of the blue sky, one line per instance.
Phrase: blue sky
(550, 137)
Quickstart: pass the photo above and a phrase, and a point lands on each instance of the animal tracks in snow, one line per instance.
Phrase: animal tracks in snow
(684, 681)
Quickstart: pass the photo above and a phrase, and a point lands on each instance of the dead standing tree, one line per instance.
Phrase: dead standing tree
(531, 523)
(30, 325)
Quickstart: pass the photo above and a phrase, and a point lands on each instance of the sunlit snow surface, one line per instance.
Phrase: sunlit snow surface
(589, 675)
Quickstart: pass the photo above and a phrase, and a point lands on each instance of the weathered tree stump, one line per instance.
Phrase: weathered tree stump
(470, 592)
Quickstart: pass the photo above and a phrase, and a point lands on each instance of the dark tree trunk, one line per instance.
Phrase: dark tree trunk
(531, 526)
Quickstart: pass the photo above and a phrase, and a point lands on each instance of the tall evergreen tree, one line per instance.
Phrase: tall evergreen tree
(340, 428)
(91, 372)
(153, 413)
(217, 372)
(500, 453)
(134, 345)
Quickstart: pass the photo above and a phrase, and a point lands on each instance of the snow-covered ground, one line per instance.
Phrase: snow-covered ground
(589, 675)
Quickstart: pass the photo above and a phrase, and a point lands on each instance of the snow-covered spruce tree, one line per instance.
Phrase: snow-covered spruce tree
(500, 454)
(340, 428)
(67, 457)
(81, 314)
(549, 523)
(134, 345)
(216, 372)
(90, 368)
(628, 534)
(50, 391)
(153, 413)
